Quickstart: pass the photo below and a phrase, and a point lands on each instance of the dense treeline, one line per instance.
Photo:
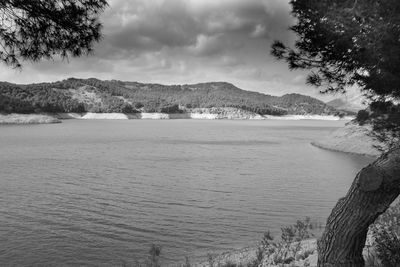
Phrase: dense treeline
(92, 95)
(36, 98)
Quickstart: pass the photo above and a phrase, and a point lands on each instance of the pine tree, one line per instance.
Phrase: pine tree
(345, 43)
(41, 29)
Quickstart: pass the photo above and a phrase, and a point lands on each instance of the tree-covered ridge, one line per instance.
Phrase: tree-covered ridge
(93, 95)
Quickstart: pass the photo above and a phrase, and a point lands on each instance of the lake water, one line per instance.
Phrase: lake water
(99, 193)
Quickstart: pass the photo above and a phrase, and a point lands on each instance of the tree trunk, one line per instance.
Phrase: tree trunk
(373, 190)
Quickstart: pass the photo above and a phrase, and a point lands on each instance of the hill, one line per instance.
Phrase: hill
(352, 105)
(93, 95)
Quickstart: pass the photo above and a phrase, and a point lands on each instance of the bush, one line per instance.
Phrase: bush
(289, 248)
(154, 256)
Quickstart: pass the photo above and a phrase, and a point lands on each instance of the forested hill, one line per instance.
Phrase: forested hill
(93, 95)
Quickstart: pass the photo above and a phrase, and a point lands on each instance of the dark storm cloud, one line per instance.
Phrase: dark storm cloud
(149, 25)
(138, 26)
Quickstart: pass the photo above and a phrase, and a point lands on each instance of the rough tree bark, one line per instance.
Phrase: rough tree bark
(373, 190)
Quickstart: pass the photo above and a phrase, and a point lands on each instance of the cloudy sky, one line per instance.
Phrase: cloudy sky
(184, 41)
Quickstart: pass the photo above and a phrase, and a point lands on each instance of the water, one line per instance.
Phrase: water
(99, 193)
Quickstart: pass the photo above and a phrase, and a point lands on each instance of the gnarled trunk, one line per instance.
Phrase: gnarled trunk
(373, 190)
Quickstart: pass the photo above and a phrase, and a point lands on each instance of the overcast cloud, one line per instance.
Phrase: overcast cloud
(183, 41)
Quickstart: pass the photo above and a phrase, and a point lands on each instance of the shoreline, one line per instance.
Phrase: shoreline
(321, 146)
(306, 256)
(195, 116)
(227, 114)
(353, 139)
(15, 118)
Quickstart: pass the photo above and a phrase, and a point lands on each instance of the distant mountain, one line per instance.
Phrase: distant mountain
(349, 104)
(301, 104)
(93, 95)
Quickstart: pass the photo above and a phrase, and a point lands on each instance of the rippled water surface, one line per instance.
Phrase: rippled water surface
(99, 193)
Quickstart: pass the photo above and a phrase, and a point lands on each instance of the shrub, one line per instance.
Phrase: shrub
(211, 260)
(187, 262)
(289, 248)
(154, 256)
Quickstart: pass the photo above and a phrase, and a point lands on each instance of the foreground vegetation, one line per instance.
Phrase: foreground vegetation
(297, 247)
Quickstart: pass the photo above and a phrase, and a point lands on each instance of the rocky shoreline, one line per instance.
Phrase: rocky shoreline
(307, 256)
(209, 114)
(352, 138)
(28, 119)
(199, 114)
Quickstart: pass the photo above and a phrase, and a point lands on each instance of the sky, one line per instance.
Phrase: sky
(184, 42)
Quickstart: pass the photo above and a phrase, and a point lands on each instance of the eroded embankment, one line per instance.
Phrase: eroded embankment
(352, 138)
(198, 113)
(27, 119)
